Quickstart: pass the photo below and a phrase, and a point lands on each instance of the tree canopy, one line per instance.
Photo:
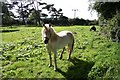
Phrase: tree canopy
(106, 9)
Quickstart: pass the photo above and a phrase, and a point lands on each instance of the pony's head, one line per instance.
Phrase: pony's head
(47, 32)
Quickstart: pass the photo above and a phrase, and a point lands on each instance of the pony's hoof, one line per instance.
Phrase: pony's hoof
(68, 59)
(55, 69)
(49, 65)
(60, 57)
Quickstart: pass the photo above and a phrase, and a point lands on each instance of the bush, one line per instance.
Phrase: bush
(111, 27)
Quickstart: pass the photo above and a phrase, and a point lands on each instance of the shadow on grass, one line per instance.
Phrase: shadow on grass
(79, 70)
(5, 31)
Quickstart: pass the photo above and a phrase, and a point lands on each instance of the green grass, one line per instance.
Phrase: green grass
(24, 55)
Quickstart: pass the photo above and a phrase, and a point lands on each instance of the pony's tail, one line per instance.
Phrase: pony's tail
(74, 32)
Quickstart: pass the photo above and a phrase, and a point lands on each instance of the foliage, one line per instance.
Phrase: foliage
(106, 9)
(22, 9)
(27, 9)
(29, 12)
(65, 21)
(109, 18)
(7, 15)
(24, 55)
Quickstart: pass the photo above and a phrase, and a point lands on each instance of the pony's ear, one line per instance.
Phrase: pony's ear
(50, 25)
(45, 26)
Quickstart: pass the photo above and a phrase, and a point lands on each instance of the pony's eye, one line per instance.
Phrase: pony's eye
(46, 38)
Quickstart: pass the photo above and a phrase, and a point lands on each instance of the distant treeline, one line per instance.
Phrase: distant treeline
(64, 21)
(59, 22)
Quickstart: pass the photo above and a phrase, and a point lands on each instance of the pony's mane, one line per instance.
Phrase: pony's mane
(52, 29)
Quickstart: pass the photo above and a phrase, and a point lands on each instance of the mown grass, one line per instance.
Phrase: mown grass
(23, 55)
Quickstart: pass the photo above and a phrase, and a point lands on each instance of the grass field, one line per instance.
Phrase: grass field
(23, 55)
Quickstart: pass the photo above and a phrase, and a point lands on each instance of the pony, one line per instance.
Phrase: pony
(93, 28)
(54, 41)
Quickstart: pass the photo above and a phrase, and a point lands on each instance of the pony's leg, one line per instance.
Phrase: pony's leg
(55, 61)
(69, 53)
(62, 53)
(70, 49)
(49, 53)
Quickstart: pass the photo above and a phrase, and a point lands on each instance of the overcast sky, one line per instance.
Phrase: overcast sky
(68, 5)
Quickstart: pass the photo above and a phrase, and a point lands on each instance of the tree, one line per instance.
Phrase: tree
(23, 9)
(37, 11)
(29, 9)
(55, 14)
(106, 9)
(7, 17)
(109, 17)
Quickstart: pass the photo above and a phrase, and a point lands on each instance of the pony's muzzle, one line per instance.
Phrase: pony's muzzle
(46, 40)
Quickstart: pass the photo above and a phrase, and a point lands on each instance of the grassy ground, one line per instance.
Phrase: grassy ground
(23, 55)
